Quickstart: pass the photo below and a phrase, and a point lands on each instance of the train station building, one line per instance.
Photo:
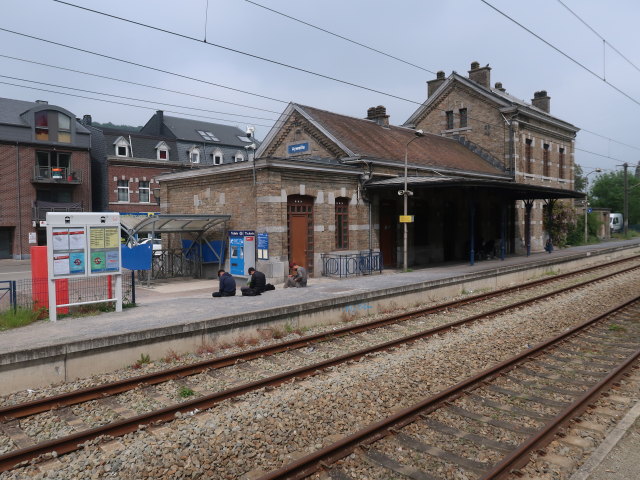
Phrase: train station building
(326, 186)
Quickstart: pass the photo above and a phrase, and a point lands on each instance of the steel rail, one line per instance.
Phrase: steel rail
(72, 442)
(330, 454)
(25, 409)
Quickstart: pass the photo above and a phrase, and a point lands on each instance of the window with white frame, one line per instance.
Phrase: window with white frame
(239, 157)
(194, 155)
(144, 192)
(162, 151)
(217, 157)
(123, 190)
(122, 147)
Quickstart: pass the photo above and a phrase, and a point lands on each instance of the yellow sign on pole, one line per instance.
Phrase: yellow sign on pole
(406, 218)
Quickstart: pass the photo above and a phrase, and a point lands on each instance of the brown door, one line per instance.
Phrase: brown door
(388, 227)
(300, 227)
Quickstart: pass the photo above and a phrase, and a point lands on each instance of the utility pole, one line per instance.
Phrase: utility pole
(625, 212)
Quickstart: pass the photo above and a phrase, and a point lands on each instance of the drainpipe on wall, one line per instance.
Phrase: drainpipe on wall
(19, 200)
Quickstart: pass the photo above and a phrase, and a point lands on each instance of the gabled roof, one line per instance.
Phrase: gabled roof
(367, 140)
(501, 99)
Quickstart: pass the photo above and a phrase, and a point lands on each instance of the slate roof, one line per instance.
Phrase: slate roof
(11, 112)
(187, 130)
(142, 146)
(367, 139)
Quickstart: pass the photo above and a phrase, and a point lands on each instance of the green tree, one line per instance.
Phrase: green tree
(608, 192)
(579, 179)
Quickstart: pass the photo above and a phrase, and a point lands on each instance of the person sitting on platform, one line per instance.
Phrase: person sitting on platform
(257, 284)
(227, 285)
(298, 278)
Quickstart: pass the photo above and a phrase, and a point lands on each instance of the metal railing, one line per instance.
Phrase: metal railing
(171, 263)
(32, 294)
(40, 209)
(351, 264)
(57, 175)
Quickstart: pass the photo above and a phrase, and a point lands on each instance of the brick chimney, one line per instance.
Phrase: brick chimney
(433, 85)
(379, 115)
(498, 86)
(160, 120)
(480, 75)
(541, 100)
(86, 120)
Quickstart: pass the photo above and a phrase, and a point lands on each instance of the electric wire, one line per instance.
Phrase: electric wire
(123, 103)
(135, 99)
(599, 36)
(340, 36)
(128, 62)
(240, 52)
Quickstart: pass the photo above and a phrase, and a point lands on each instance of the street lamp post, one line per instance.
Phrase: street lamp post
(586, 202)
(406, 193)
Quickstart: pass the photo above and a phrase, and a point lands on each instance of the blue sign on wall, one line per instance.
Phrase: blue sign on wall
(263, 246)
(298, 148)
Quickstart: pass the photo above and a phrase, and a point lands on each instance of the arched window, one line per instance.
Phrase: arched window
(122, 147)
(194, 154)
(217, 157)
(342, 223)
(162, 151)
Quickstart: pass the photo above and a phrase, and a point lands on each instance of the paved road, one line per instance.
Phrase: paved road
(15, 269)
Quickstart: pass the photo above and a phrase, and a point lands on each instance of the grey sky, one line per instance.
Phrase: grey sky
(434, 35)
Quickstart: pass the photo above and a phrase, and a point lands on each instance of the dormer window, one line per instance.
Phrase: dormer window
(52, 126)
(162, 151)
(194, 155)
(239, 157)
(122, 147)
(217, 157)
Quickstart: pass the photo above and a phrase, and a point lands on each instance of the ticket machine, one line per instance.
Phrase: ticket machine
(242, 251)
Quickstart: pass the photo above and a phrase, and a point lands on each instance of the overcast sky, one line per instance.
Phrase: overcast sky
(433, 35)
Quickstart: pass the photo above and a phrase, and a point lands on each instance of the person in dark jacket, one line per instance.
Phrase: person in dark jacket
(256, 285)
(227, 285)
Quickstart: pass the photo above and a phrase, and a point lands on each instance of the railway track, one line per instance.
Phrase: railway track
(489, 424)
(67, 443)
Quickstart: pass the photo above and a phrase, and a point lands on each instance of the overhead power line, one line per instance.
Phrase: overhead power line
(599, 36)
(155, 69)
(341, 37)
(122, 103)
(106, 77)
(133, 98)
(240, 52)
(566, 55)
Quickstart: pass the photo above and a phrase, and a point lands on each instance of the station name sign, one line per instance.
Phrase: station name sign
(298, 148)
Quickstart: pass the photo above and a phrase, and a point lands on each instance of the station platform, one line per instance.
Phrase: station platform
(181, 314)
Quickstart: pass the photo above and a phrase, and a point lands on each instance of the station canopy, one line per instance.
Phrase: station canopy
(164, 223)
(514, 190)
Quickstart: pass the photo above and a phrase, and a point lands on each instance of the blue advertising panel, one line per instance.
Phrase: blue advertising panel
(263, 246)
(138, 257)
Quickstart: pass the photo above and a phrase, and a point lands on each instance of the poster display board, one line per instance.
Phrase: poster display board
(83, 245)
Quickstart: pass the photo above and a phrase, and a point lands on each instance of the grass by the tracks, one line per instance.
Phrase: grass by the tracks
(19, 318)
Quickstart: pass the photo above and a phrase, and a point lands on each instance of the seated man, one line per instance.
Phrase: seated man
(257, 284)
(298, 278)
(227, 285)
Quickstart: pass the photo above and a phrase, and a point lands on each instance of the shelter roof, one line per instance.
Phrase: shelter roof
(164, 223)
(517, 191)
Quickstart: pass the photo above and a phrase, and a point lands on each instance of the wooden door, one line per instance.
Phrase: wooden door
(300, 229)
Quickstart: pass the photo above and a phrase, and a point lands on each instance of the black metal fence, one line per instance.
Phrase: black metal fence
(33, 294)
(172, 263)
(347, 265)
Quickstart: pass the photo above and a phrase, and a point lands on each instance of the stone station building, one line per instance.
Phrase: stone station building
(327, 184)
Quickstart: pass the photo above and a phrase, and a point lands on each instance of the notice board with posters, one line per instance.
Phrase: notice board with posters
(83, 244)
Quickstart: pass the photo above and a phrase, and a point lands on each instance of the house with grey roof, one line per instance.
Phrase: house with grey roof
(45, 165)
(126, 165)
